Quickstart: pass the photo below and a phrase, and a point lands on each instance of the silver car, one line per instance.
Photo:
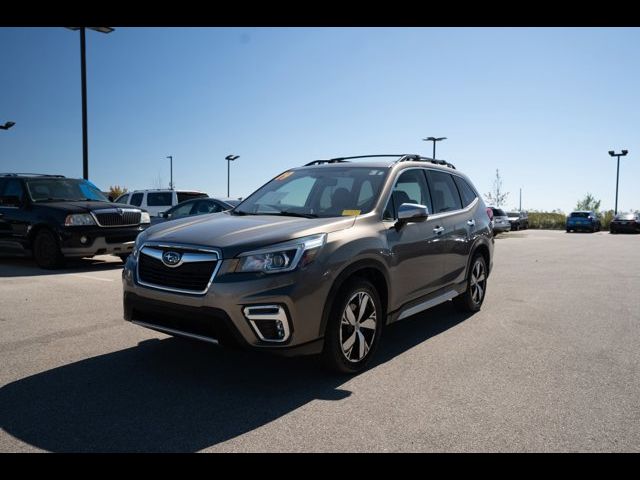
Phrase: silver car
(501, 221)
(318, 260)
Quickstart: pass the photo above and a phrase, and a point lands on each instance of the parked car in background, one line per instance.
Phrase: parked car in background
(53, 217)
(318, 260)
(189, 208)
(518, 220)
(625, 222)
(159, 200)
(500, 220)
(583, 220)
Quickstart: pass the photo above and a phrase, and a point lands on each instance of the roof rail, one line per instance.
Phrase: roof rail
(344, 159)
(401, 157)
(418, 158)
(30, 175)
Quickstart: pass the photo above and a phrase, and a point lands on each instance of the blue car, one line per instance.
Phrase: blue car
(583, 221)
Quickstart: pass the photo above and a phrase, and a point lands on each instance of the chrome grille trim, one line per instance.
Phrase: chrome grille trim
(130, 211)
(211, 254)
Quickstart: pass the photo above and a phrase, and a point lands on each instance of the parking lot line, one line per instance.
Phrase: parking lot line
(92, 278)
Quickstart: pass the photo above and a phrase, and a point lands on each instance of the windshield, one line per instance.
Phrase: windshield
(317, 192)
(625, 216)
(63, 189)
(513, 214)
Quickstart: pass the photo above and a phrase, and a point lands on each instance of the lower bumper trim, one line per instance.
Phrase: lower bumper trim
(171, 331)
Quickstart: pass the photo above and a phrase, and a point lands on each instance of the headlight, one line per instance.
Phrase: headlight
(145, 218)
(282, 257)
(79, 219)
(136, 246)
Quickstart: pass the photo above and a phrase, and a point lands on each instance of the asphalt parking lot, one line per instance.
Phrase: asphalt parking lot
(550, 363)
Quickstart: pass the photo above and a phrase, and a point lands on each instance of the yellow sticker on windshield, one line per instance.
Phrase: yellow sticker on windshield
(350, 213)
(284, 175)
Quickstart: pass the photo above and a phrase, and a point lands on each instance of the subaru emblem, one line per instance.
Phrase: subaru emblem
(171, 259)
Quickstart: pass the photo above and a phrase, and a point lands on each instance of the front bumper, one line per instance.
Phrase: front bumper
(221, 315)
(93, 240)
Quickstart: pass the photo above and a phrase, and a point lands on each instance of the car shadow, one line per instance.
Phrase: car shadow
(27, 267)
(175, 395)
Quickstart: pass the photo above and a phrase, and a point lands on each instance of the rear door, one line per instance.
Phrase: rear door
(14, 215)
(453, 223)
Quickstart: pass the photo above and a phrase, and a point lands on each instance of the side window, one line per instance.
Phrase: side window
(159, 199)
(13, 188)
(182, 210)
(411, 187)
(122, 198)
(136, 199)
(466, 192)
(444, 192)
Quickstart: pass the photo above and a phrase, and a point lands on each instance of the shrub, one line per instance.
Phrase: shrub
(547, 220)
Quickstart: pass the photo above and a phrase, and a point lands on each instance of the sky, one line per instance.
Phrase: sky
(541, 105)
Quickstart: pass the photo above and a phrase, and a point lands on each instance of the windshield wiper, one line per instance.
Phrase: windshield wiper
(286, 213)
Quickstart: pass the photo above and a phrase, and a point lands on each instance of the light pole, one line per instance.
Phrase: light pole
(170, 157)
(83, 73)
(229, 159)
(434, 140)
(621, 154)
(7, 125)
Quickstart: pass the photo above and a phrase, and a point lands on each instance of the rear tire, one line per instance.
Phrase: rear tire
(46, 250)
(354, 327)
(471, 299)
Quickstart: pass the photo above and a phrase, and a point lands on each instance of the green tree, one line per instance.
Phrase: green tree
(496, 196)
(589, 202)
(116, 190)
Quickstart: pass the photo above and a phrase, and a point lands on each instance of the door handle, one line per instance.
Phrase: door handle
(438, 230)
(471, 222)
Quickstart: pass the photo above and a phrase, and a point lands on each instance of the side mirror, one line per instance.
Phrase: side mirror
(411, 213)
(163, 215)
(10, 201)
(110, 198)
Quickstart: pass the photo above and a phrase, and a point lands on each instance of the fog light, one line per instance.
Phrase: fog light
(269, 322)
(83, 239)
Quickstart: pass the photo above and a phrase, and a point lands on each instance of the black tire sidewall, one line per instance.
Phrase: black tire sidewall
(53, 261)
(332, 352)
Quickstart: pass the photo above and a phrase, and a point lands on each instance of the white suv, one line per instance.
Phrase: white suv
(157, 201)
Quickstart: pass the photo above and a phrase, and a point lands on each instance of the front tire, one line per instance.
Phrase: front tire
(46, 250)
(354, 327)
(471, 299)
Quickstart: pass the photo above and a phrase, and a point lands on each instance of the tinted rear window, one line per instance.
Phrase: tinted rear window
(498, 213)
(580, 214)
(136, 199)
(466, 192)
(159, 199)
(184, 196)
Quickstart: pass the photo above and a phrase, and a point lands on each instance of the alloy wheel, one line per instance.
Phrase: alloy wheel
(358, 326)
(478, 282)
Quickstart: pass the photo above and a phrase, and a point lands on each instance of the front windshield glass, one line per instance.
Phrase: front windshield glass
(63, 189)
(317, 192)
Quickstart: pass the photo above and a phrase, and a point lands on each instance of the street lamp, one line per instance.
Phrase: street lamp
(170, 157)
(83, 73)
(229, 159)
(434, 140)
(7, 125)
(621, 154)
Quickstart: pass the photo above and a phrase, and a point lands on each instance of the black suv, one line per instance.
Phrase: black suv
(320, 259)
(52, 217)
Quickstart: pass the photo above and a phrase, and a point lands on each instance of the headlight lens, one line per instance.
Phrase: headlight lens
(145, 217)
(77, 219)
(282, 257)
(138, 244)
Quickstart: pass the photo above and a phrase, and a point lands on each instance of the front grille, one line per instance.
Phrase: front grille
(115, 218)
(204, 321)
(192, 277)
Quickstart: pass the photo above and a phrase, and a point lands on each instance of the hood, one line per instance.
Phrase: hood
(235, 234)
(82, 206)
